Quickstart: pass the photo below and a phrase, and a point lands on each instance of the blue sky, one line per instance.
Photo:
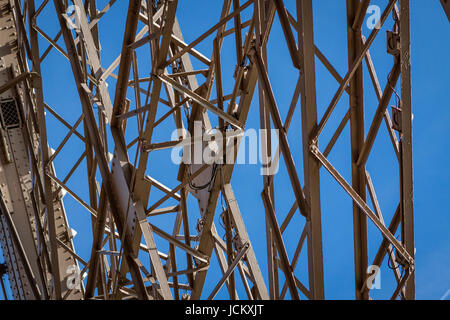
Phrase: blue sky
(431, 102)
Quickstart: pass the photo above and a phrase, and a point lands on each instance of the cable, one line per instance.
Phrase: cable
(206, 184)
(389, 261)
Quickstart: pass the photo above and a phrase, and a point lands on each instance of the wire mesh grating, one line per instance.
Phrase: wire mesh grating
(9, 114)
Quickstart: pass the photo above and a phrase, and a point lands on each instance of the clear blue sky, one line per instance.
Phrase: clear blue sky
(431, 102)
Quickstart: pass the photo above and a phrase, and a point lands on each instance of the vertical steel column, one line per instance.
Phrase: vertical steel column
(357, 143)
(310, 164)
(406, 141)
(260, 27)
(111, 184)
(44, 153)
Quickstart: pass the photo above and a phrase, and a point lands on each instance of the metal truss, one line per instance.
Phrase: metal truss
(118, 134)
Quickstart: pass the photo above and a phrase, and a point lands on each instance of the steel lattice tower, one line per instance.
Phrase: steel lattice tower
(117, 127)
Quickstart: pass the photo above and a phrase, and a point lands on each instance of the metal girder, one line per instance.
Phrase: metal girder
(124, 184)
(357, 141)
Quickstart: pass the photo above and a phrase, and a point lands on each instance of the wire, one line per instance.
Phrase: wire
(389, 259)
(206, 185)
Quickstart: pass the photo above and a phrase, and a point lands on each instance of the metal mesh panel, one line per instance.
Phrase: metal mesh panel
(9, 114)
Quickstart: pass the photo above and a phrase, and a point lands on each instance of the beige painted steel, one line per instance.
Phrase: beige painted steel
(123, 205)
(16, 183)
